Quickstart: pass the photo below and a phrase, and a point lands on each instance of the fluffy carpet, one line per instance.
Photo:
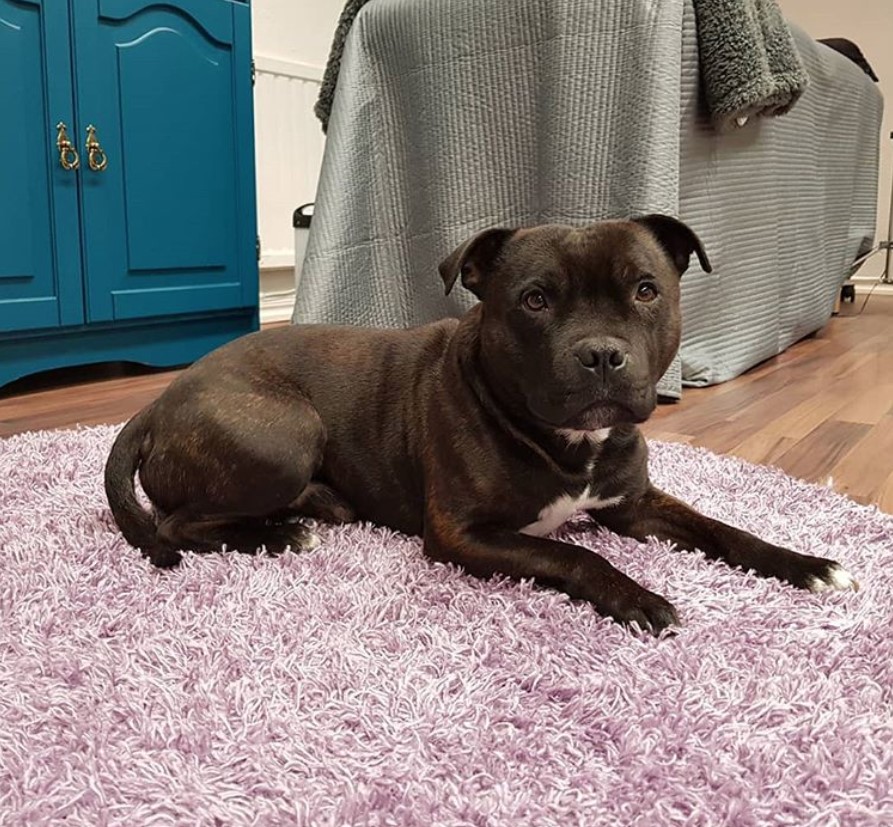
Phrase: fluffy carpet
(358, 684)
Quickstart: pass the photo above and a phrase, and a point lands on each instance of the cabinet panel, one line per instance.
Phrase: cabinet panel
(40, 283)
(165, 222)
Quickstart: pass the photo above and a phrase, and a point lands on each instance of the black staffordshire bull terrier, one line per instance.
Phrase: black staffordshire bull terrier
(482, 435)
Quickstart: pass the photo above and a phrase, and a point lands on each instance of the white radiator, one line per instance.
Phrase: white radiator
(289, 145)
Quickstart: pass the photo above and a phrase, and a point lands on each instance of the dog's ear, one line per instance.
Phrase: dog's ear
(472, 259)
(678, 239)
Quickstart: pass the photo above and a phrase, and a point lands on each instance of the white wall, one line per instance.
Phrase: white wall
(291, 40)
(869, 24)
(299, 30)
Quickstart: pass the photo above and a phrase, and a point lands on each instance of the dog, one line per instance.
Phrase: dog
(482, 435)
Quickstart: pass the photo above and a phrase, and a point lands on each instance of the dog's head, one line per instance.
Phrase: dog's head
(577, 325)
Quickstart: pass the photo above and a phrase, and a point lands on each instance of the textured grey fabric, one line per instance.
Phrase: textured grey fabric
(456, 115)
(748, 61)
(783, 207)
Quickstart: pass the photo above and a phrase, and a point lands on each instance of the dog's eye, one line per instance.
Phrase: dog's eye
(647, 292)
(534, 300)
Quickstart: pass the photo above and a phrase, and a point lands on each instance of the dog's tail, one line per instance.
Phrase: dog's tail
(136, 523)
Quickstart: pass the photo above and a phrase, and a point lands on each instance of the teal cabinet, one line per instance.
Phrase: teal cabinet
(137, 241)
(40, 267)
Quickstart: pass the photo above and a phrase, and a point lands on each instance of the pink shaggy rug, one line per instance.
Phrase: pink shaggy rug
(358, 684)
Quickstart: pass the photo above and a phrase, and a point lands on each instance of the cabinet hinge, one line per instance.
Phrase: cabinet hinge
(253, 72)
(257, 247)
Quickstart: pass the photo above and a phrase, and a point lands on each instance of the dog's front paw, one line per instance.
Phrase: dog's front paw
(300, 537)
(649, 611)
(162, 557)
(816, 574)
(834, 577)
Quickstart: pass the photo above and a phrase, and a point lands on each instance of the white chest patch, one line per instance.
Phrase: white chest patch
(561, 510)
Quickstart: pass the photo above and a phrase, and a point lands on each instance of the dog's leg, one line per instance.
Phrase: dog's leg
(162, 555)
(319, 501)
(227, 480)
(659, 515)
(203, 533)
(578, 572)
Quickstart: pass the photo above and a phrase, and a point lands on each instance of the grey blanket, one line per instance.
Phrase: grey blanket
(749, 63)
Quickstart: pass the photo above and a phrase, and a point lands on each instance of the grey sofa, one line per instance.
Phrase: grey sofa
(454, 115)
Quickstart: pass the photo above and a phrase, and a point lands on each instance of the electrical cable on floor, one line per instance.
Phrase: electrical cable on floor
(864, 302)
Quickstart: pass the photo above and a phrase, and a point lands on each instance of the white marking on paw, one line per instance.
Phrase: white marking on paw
(561, 510)
(837, 579)
(310, 542)
(576, 437)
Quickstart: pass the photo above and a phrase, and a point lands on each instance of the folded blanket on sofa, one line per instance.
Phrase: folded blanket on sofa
(749, 63)
(748, 60)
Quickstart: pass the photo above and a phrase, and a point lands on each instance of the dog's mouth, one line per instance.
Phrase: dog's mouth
(603, 415)
(594, 416)
(583, 410)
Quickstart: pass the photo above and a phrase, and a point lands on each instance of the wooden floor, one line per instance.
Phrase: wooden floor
(823, 409)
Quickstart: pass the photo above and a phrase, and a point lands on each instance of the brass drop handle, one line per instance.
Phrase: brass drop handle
(68, 155)
(96, 157)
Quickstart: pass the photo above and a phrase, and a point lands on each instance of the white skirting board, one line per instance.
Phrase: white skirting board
(277, 294)
(276, 309)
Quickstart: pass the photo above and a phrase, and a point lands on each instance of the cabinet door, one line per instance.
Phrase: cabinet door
(169, 225)
(40, 271)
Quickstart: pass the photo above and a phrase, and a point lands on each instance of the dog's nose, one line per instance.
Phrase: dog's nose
(602, 354)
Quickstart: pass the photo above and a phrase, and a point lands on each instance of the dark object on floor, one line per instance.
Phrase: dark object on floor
(482, 435)
(848, 292)
(849, 49)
